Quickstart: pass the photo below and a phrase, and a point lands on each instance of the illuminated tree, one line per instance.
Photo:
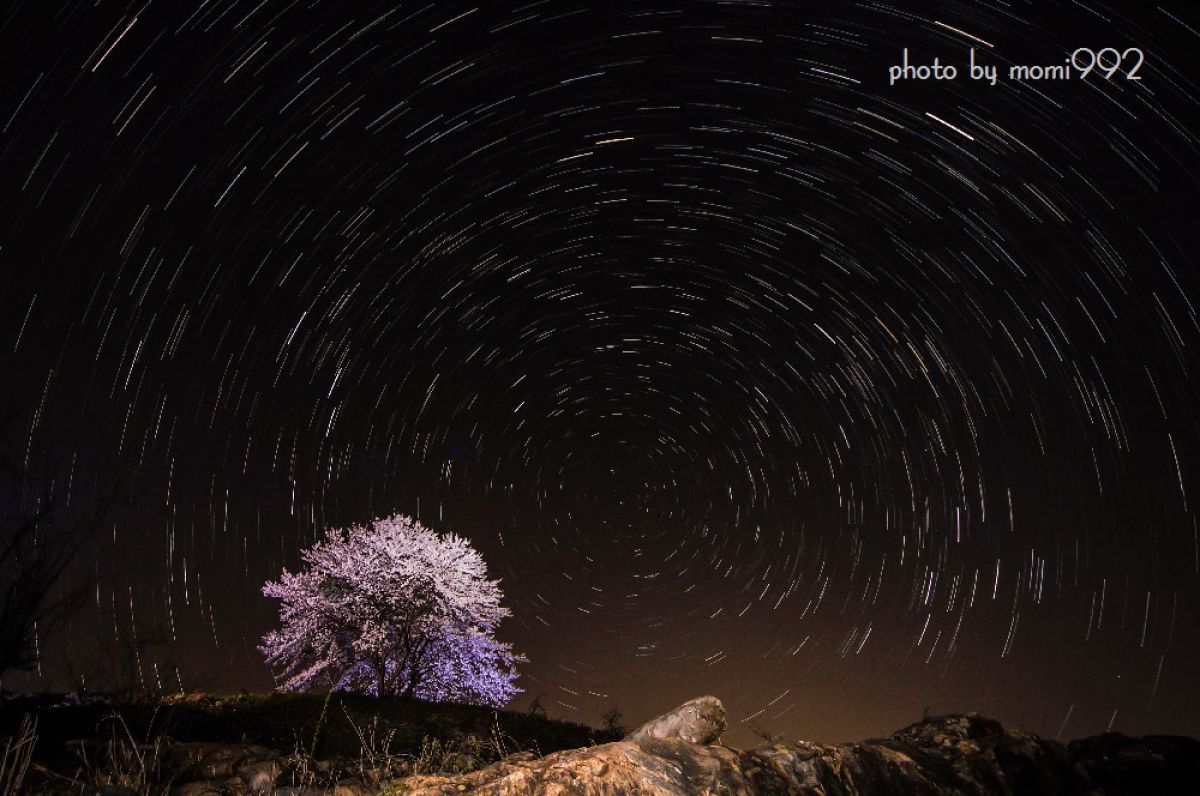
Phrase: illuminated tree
(392, 608)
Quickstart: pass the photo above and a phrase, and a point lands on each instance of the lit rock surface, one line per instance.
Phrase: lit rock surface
(956, 754)
(700, 721)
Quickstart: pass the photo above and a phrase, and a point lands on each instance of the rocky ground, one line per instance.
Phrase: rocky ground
(680, 753)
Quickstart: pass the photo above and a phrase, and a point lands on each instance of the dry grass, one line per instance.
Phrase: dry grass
(14, 761)
(377, 762)
(124, 760)
(373, 748)
(439, 757)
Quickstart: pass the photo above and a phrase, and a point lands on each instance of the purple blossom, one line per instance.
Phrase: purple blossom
(392, 608)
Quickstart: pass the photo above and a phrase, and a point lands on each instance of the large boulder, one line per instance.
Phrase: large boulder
(673, 768)
(700, 721)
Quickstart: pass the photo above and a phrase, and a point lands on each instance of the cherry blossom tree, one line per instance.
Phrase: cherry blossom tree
(392, 608)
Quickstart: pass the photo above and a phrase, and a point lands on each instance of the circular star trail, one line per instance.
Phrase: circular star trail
(748, 372)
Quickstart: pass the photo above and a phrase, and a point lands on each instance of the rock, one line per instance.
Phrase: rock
(213, 760)
(958, 754)
(1116, 763)
(675, 768)
(201, 788)
(700, 721)
(258, 776)
(234, 786)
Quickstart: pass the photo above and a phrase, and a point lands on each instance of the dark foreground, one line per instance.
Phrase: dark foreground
(397, 746)
(159, 746)
(680, 754)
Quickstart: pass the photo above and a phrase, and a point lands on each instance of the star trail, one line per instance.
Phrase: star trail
(749, 370)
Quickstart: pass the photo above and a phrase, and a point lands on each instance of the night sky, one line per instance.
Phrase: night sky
(748, 373)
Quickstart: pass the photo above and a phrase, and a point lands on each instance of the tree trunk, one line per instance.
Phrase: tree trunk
(410, 688)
